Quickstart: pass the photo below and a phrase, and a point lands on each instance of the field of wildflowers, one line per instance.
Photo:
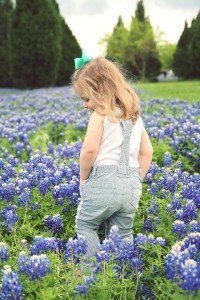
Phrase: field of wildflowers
(41, 133)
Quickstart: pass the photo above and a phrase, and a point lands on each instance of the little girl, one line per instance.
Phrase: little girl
(116, 152)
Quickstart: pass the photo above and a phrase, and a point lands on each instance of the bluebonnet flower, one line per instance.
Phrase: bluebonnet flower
(160, 241)
(11, 287)
(125, 252)
(102, 256)
(174, 260)
(44, 186)
(56, 191)
(178, 164)
(35, 160)
(82, 289)
(57, 177)
(136, 264)
(170, 182)
(36, 206)
(188, 212)
(35, 266)
(54, 223)
(65, 210)
(151, 239)
(25, 198)
(192, 239)
(22, 262)
(63, 191)
(10, 171)
(108, 246)
(179, 228)
(22, 184)
(12, 161)
(42, 245)
(8, 191)
(150, 224)
(33, 179)
(50, 148)
(194, 226)
(153, 189)
(190, 275)
(10, 216)
(4, 254)
(80, 246)
(153, 209)
(2, 163)
(176, 203)
(167, 162)
(145, 292)
(75, 248)
(114, 236)
(140, 239)
(189, 190)
(48, 161)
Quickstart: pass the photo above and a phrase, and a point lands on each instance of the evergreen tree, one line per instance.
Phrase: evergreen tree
(194, 48)
(6, 9)
(117, 41)
(140, 11)
(70, 50)
(36, 43)
(181, 61)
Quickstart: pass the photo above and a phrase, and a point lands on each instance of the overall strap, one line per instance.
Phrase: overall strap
(123, 166)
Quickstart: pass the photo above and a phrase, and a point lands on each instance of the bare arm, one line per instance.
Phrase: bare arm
(91, 145)
(145, 153)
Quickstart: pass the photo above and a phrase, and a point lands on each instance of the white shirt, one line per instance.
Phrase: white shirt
(111, 142)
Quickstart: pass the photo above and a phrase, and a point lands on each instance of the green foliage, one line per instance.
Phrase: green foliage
(194, 48)
(181, 64)
(140, 12)
(70, 49)
(186, 60)
(136, 47)
(117, 41)
(166, 51)
(6, 9)
(141, 54)
(35, 43)
(55, 133)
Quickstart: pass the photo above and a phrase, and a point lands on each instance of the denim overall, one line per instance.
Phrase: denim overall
(111, 195)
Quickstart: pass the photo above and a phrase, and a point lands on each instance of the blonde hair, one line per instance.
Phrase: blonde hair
(104, 82)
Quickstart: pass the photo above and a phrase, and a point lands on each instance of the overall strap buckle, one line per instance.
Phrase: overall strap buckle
(123, 171)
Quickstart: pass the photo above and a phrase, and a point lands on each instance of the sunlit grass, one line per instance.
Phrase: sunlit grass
(183, 90)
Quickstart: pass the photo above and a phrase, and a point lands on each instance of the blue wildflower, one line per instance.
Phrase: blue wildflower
(4, 254)
(11, 288)
(54, 223)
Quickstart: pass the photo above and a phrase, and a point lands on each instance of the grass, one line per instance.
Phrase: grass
(183, 90)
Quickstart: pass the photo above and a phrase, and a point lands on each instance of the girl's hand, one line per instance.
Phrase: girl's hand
(82, 181)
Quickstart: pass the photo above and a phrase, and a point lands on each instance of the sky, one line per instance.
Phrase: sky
(91, 20)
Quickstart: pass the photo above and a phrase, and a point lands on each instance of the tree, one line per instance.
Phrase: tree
(117, 41)
(36, 44)
(166, 52)
(140, 11)
(194, 48)
(6, 9)
(181, 61)
(141, 54)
